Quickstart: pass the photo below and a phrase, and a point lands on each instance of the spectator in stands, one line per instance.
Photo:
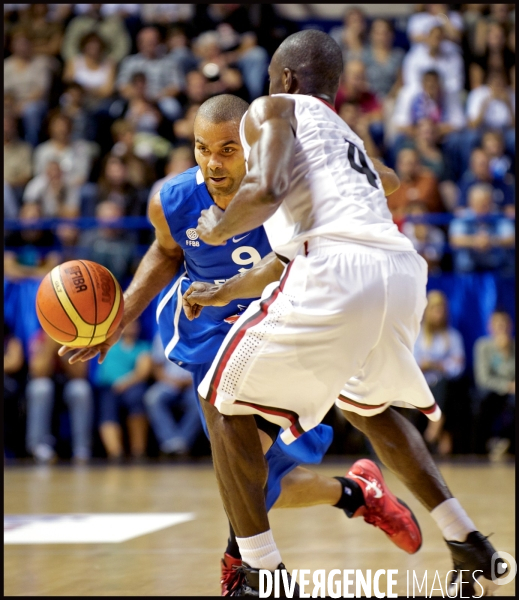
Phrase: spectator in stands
(238, 42)
(147, 146)
(140, 173)
(221, 77)
(46, 370)
(138, 109)
(17, 157)
(111, 29)
(173, 387)
(383, 62)
(73, 105)
(165, 82)
(75, 158)
(494, 370)
(27, 78)
(30, 253)
(197, 90)
(113, 248)
(10, 203)
(420, 24)
(500, 14)
(183, 129)
(482, 239)
(416, 184)
(122, 380)
(440, 354)
(14, 381)
(500, 163)
(433, 55)
(92, 70)
(492, 106)
(503, 191)
(53, 193)
(426, 143)
(443, 108)
(351, 37)
(355, 88)
(428, 240)
(180, 159)
(115, 186)
(45, 34)
(178, 49)
(165, 14)
(497, 56)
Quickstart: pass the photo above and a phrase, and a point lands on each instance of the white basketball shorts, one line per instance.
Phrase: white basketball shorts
(344, 312)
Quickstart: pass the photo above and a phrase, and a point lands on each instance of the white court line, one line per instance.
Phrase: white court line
(86, 528)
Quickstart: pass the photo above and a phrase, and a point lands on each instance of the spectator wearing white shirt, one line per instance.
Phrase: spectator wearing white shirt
(420, 23)
(164, 81)
(75, 158)
(433, 55)
(51, 191)
(110, 28)
(490, 106)
(443, 107)
(440, 354)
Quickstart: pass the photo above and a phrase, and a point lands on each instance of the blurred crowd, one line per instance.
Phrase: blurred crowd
(99, 105)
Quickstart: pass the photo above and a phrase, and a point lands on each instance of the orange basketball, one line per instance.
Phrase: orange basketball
(79, 303)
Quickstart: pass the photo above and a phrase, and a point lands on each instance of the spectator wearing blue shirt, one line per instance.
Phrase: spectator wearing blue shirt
(482, 239)
(173, 388)
(440, 354)
(122, 380)
(502, 191)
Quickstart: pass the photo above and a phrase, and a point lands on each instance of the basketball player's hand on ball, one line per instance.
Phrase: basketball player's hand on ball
(200, 294)
(84, 354)
(207, 228)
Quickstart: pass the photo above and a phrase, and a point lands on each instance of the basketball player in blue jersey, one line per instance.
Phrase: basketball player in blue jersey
(178, 258)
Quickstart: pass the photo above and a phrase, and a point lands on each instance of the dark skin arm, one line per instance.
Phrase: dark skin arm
(270, 130)
(249, 284)
(157, 268)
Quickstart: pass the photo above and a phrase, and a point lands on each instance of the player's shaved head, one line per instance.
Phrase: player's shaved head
(222, 109)
(313, 58)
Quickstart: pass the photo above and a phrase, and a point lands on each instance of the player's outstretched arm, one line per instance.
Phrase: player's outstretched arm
(249, 284)
(269, 129)
(156, 269)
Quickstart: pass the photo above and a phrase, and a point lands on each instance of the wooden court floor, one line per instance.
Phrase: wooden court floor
(183, 559)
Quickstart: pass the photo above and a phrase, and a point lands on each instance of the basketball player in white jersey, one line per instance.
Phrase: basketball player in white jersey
(347, 308)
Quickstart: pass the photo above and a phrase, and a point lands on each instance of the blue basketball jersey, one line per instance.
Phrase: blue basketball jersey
(195, 342)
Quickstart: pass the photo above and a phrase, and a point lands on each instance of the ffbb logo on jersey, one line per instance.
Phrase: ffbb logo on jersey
(192, 236)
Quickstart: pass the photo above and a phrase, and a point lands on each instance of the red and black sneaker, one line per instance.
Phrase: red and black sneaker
(383, 509)
(231, 574)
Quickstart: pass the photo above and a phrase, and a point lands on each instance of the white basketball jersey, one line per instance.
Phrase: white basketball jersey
(335, 191)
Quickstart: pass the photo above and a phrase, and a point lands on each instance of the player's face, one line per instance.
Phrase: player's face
(219, 155)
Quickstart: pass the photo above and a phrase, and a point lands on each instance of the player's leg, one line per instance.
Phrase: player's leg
(392, 374)
(402, 450)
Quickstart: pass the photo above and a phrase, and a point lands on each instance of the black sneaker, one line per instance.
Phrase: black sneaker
(249, 583)
(474, 558)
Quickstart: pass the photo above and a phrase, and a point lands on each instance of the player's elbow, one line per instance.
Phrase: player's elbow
(390, 183)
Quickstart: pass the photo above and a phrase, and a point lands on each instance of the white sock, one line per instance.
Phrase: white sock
(452, 520)
(260, 551)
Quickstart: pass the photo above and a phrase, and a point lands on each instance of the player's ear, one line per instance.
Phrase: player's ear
(287, 79)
